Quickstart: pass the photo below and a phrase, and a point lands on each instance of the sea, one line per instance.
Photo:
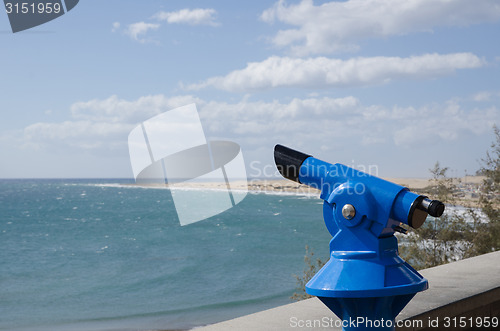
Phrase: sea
(100, 254)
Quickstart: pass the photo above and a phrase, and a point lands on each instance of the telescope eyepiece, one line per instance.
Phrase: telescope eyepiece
(436, 208)
(421, 207)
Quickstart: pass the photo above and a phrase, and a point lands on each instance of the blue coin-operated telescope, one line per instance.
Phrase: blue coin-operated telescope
(365, 282)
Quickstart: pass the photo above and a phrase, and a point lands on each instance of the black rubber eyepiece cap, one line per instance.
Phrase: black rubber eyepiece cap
(436, 208)
(288, 161)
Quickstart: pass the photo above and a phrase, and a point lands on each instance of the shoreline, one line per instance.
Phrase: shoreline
(472, 183)
(466, 194)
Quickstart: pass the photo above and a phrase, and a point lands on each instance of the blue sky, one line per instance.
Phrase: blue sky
(395, 84)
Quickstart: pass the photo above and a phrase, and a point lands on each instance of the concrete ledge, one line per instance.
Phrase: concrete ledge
(468, 288)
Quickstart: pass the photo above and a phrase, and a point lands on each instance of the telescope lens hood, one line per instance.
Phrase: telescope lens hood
(288, 161)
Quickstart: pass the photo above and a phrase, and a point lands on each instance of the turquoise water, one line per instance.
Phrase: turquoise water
(98, 255)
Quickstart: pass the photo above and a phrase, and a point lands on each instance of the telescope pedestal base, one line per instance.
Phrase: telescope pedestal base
(371, 313)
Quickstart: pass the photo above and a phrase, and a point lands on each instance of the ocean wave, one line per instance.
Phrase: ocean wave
(303, 195)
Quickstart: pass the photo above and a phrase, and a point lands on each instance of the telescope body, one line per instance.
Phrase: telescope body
(364, 277)
(385, 203)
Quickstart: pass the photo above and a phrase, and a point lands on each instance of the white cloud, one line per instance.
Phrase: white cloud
(336, 26)
(344, 121)
(442, 123)
(264, 116)
(189, 16)
(101, 126)
(482, 96)
(114, 109)
(325, 72)
(116, 26)
(485, 96)
(137, 30)
(75, 134)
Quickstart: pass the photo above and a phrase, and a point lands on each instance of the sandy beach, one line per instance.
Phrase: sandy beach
(468, 186)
